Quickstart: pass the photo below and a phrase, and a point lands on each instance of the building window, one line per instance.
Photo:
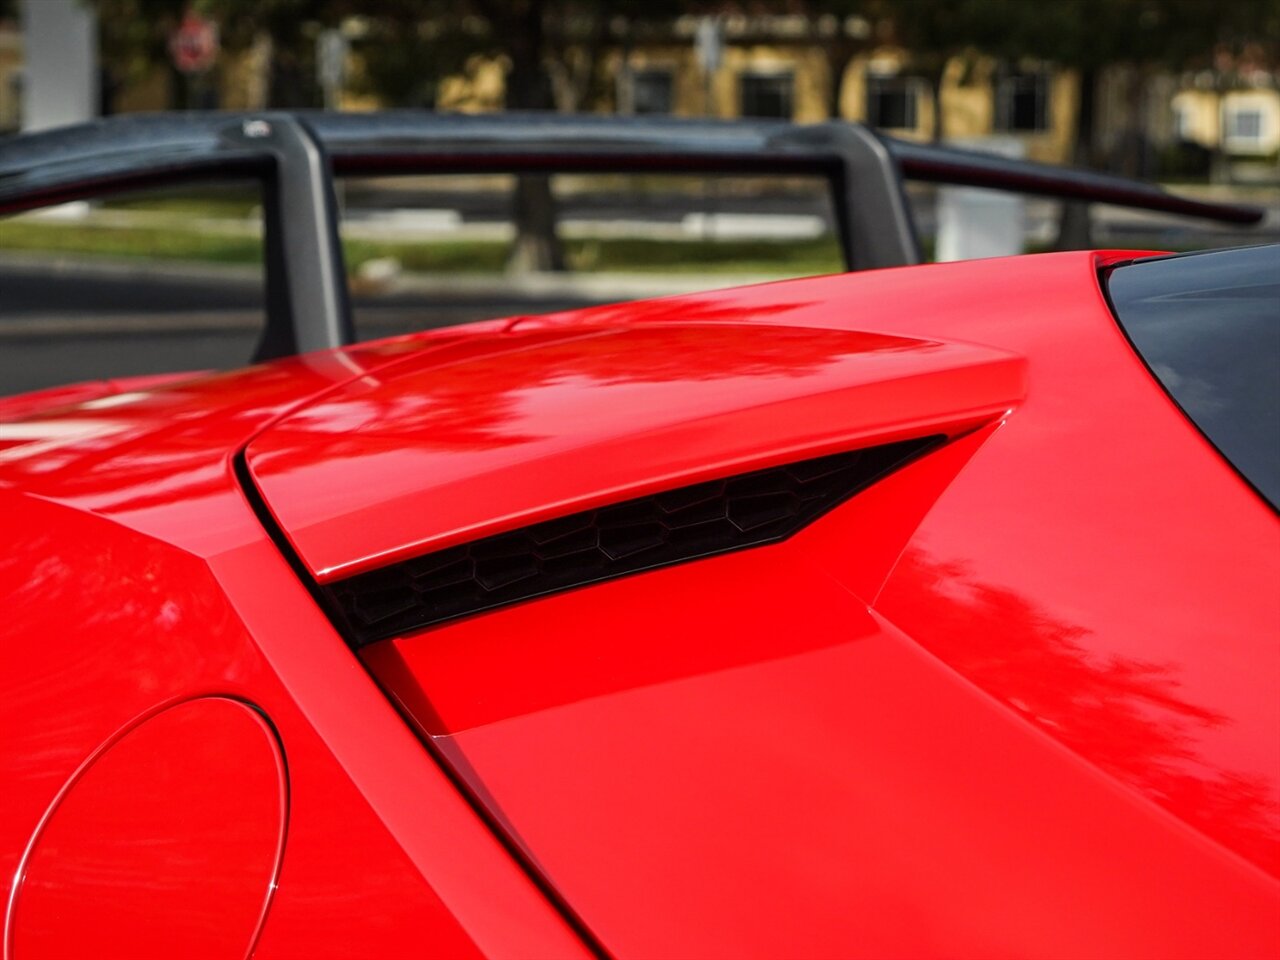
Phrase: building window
(1184, 122)
(767, 95)
(1022, 103)
(651, 91)
(1250, 125)
(893, 102)
(1244, 126)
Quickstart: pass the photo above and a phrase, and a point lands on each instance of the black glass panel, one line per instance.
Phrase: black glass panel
(1208, 326)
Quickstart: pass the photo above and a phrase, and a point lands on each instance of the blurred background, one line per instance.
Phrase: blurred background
(1184, 92)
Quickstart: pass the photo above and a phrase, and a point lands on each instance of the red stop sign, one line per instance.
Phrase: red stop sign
(194, 45)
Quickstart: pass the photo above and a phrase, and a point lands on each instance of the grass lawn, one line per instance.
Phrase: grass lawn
(764, 257)
(145, 242)
(228, 202)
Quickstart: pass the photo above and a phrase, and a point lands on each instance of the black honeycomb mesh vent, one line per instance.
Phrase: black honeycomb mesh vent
(682, 524)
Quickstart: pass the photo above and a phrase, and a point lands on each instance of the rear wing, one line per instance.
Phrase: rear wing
(296, 156)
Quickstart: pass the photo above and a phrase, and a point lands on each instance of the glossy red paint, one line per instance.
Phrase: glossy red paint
(166, 843)
(1017, 698)
(831, 791)
(42, 401)
(890, 735)
(136, 575)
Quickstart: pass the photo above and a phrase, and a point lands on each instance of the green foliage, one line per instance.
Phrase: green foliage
(1087, 34)
(409, 45)
(135, 242)
(412, 44)
(754, 257)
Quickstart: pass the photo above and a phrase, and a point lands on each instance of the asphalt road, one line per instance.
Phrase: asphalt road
(62, 325)
(61, 322)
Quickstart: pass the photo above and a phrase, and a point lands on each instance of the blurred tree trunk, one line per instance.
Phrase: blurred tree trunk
(838, 50)
(537, 246)
(1075, 227)
(1075, 230)
(935, 99)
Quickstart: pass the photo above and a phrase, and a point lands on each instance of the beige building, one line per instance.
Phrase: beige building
(793, 68)
(1243, 122)
(1035, 103)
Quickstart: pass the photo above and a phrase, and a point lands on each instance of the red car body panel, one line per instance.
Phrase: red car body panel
(139, 577)
(567, 420)
(726, 756)
(200, 774)
(1017, 698)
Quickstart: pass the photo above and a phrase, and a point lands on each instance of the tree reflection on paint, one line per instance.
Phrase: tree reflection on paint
(1130, 717)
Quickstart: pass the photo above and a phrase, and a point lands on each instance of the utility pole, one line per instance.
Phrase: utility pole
(60, 83)
(331, 65)
(708, 42)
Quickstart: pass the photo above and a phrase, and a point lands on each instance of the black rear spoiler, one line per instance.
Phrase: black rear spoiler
(974, 169)
(296, 155)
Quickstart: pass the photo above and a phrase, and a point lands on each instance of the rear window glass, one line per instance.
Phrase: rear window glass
(1208, 326)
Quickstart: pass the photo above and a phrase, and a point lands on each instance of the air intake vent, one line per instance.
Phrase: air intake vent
(682, 524)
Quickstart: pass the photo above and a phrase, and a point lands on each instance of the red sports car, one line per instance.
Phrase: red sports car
(930, 611)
